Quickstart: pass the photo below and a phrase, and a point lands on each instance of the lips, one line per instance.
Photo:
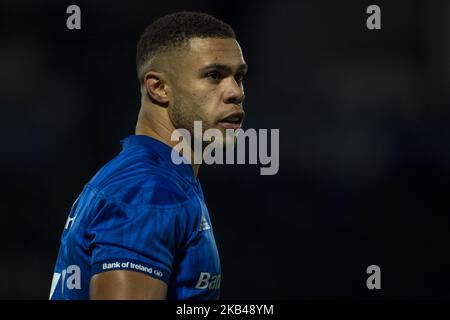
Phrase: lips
(233, 120)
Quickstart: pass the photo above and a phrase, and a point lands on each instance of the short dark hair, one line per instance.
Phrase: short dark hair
(176, 29)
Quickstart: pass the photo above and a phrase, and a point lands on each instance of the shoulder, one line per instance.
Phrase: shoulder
(147, 189)
(141, 178)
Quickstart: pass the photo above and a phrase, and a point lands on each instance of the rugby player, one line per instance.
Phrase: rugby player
(140, 228)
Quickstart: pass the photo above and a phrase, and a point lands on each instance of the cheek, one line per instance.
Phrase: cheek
(210, 111)
(209, 102)
(202, 101)
(202, 104)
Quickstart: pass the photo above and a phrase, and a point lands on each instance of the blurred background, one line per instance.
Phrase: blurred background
(364, 126)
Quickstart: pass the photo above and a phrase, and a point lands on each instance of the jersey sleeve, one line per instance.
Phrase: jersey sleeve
(141, 238)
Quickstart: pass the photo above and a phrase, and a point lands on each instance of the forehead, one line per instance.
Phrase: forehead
(204, 51)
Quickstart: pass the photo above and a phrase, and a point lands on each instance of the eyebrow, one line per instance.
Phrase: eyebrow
(226, 68)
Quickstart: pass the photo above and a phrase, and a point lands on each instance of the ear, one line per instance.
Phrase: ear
(156, 87)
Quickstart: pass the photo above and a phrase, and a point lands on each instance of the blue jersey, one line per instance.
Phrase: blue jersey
(144, 213)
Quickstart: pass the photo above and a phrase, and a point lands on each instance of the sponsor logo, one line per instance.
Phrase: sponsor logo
(69, 222)
(208, 281)
(118, 265)
(204, 225)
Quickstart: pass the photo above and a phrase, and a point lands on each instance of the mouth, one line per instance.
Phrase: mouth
(232, 121)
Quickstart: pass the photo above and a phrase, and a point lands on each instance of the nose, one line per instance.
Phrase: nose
(234, 92)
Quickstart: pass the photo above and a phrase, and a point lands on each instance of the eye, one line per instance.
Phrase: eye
(239, 78)
(213, 75)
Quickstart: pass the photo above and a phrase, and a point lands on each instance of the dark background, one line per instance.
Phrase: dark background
(364, 141)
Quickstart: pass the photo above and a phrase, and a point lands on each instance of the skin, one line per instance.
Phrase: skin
(182, 87)
(126, 285)
(200, 81)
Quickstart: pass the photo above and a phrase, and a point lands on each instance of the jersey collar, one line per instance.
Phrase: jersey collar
(163, 150)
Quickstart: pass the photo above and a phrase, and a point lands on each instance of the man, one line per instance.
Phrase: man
(140, 229)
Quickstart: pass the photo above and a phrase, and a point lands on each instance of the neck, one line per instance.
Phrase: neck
(157, 125)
